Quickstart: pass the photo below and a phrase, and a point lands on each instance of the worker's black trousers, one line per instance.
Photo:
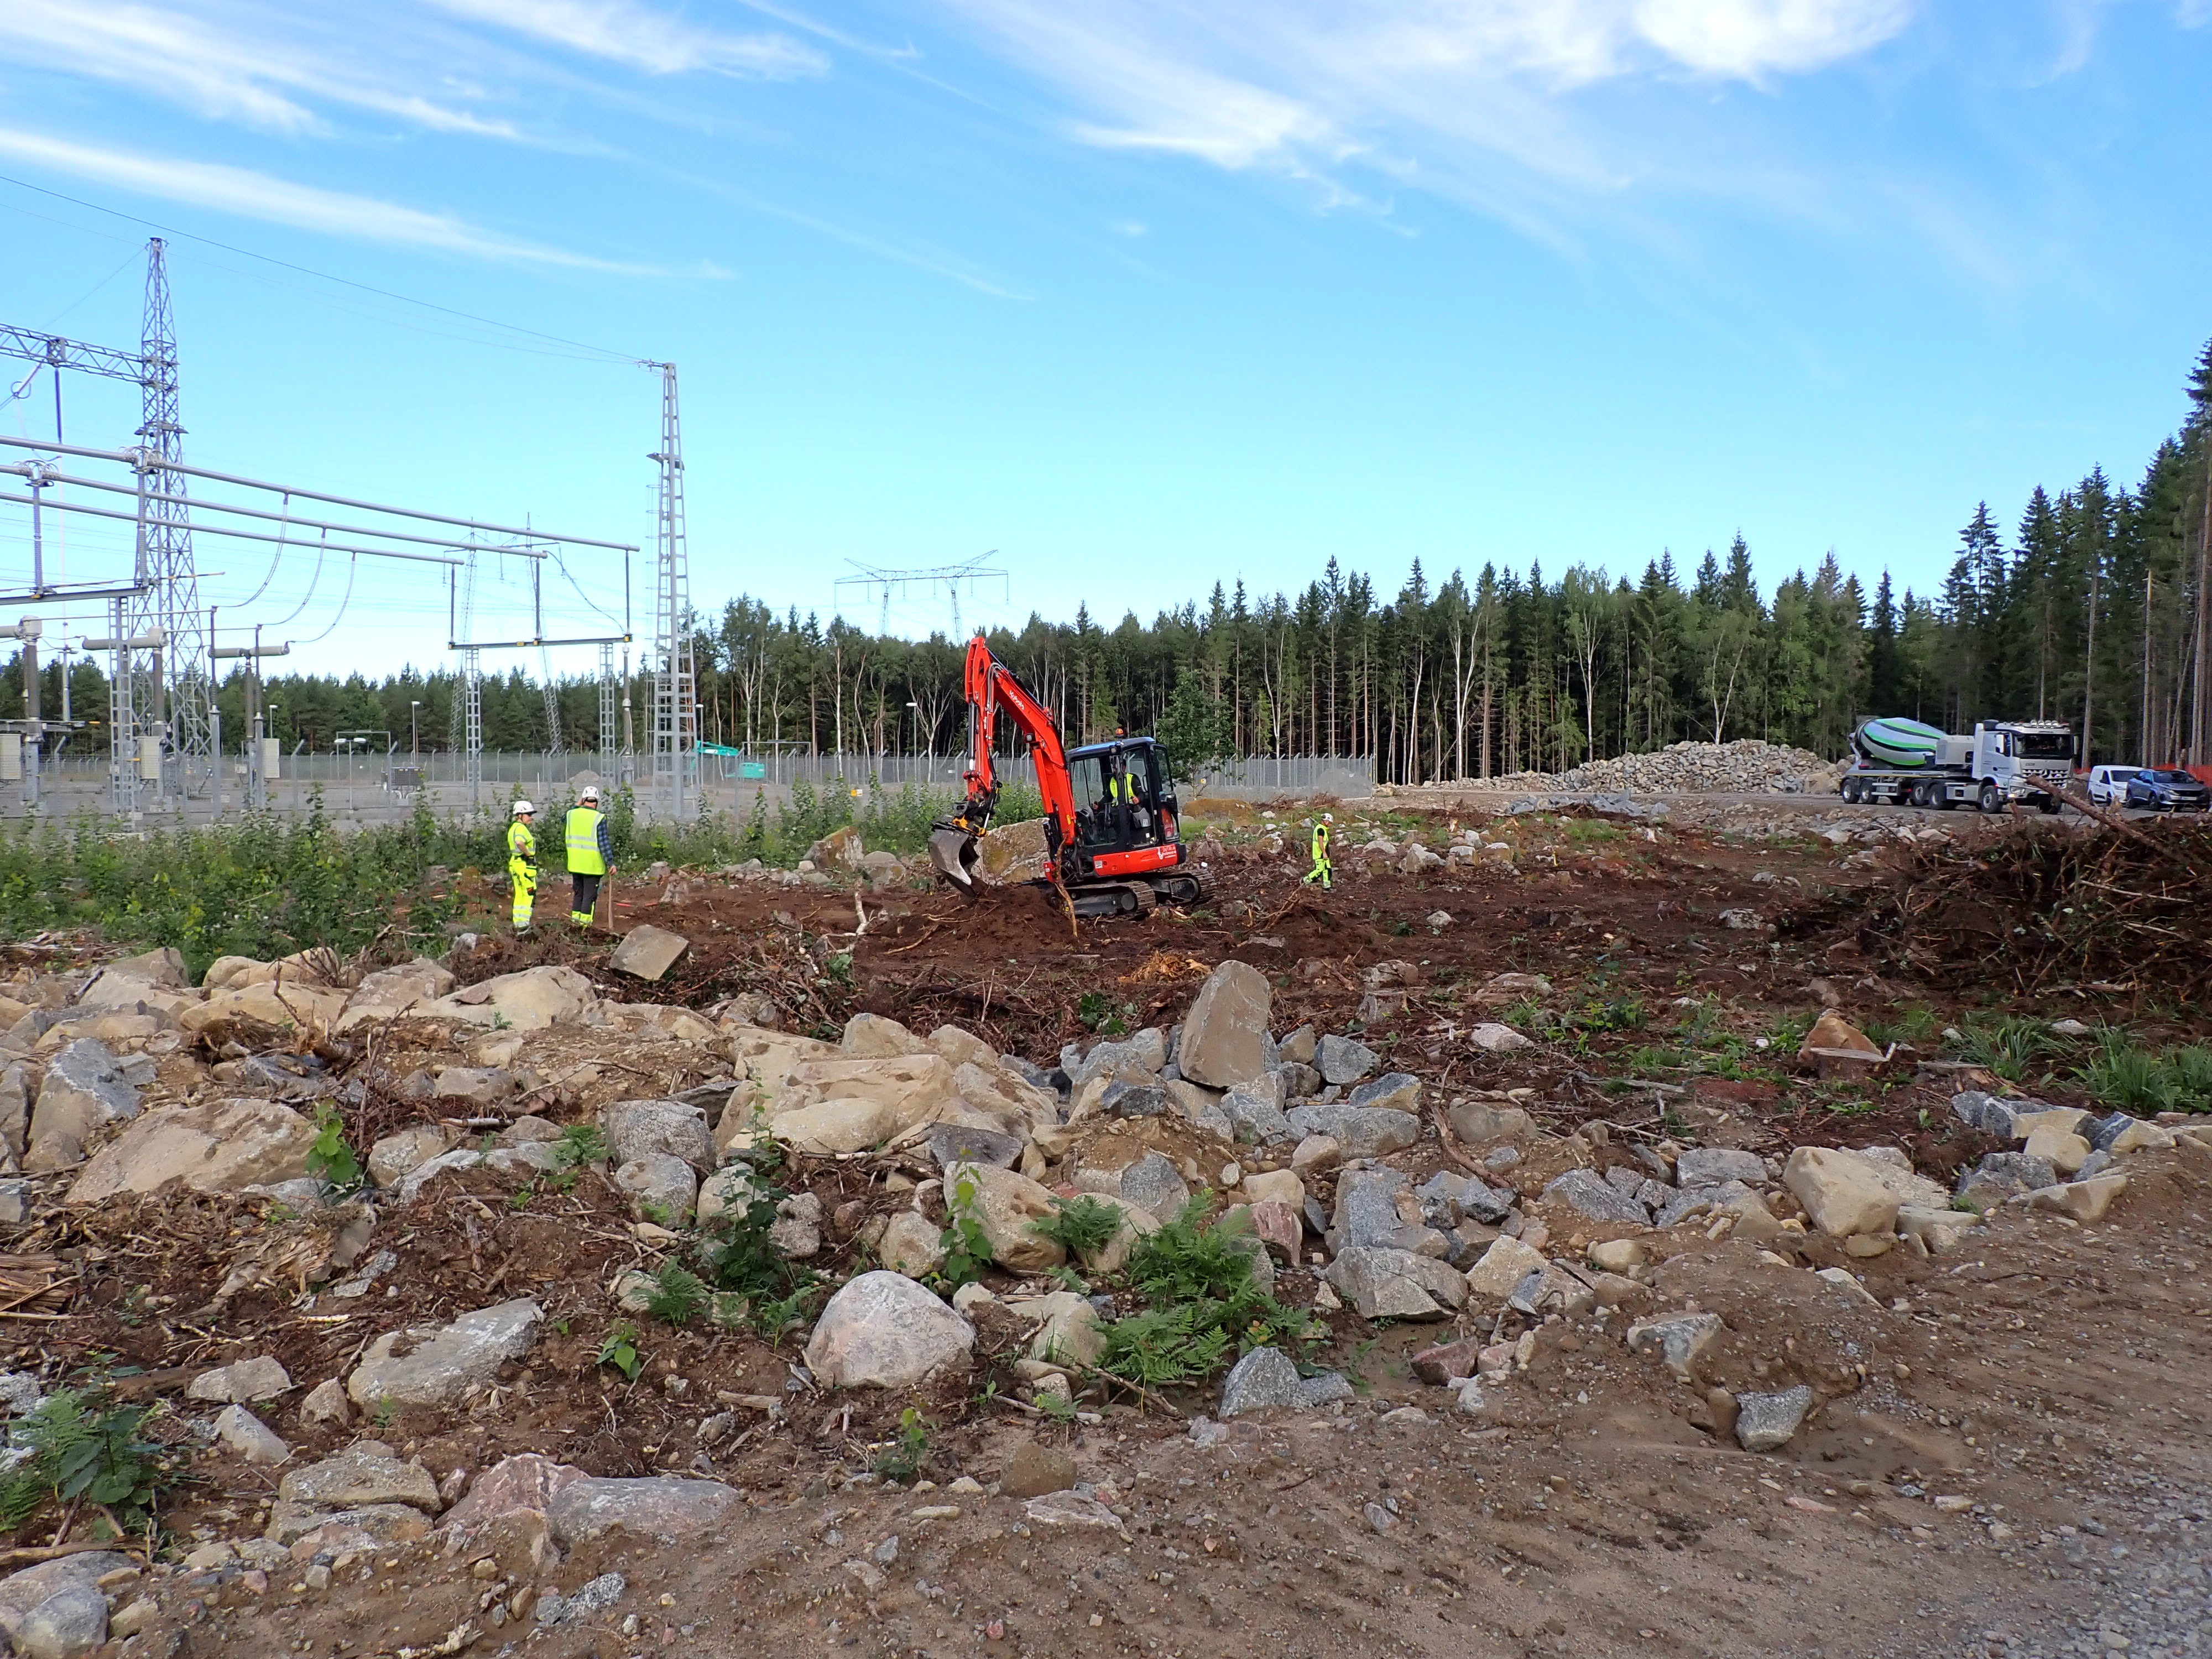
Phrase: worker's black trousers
(583, 897)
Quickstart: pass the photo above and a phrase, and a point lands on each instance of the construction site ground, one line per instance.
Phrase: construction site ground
(2012, 1461)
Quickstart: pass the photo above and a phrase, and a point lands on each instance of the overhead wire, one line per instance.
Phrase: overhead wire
(275, 558)
(312, 580)
(352, 569)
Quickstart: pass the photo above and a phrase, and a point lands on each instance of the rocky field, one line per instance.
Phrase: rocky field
(1568, 1234)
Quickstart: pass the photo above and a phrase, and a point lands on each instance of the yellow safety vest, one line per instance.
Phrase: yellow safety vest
(521, 845)
(580, 830)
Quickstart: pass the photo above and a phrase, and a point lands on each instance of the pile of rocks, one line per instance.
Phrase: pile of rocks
(1749, 765)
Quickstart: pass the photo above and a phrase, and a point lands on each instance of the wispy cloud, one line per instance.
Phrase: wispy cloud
(1423, 94)
(227, 69)
(272, 200)
(640, 38)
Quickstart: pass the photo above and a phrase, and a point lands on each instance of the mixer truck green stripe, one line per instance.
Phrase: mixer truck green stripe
(1904, 763)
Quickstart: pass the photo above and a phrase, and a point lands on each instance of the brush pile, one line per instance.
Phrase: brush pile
(2043, 907)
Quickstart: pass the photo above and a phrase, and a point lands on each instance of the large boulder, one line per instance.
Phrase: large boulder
(1388, 1284)
(663, 1508)
(829, 1126)
(1841, 1193)
(1005, 1203)
(875, 1037)
(525, 1483)
(527, 1001)
(84, 1092)
(1013, 853)
(636, 1128)
(280, 1003)
(367, 1472)
(222, 1147)
(660, 1188)
(64, 1585)
(441, 1363)
(390, 992)
(1359, 1131)
(882, 1330)
(917, 1086)
(1224, 1036)
(1343, 1059)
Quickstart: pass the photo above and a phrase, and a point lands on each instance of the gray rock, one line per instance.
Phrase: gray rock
(1361, 1132)
(958, 1143)
(367, 1472)
(2001, 1176)
(1680, 1340)
(882, 1330)
(248, 1436)
(1367, 1210)
(1033, 1074)
(1394, 1090)
(1587, 1194)
(1623, 1179)
(1443, 1198)
(445, 1362)
(1679, 1205)
(1298, 1047)
(1143, 1054)
(1153, 1183)
(1299, 1080)
(2102, 1133)
(1765, 1422)
(637, 1127)
(1224, 1037)
(1709, 1166)
(1123, 1099)
(1342, 1060)
(68, 1624)
(241, 1382)
(1264, 1378)
(84, 1091)
(474, 1085)
(1254, 1117)
(1325, 1389)
(647, 952)
(662, 1508)
(14, 1108)
(661, 1186)
(1389, 1283)
(14, 1203)
(594, 1596)
(23, 1593)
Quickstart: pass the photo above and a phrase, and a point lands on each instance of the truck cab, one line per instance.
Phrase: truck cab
(2030, 761)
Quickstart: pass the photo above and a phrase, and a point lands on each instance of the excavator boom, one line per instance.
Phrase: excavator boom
(991, 686)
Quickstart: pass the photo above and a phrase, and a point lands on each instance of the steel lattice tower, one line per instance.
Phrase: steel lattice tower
(674, 678)
(168, 692)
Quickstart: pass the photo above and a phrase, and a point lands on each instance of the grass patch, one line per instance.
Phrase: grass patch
(2124, 1075)
(2010, 1048)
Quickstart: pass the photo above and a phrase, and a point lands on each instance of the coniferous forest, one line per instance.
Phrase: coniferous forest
(2089, 607)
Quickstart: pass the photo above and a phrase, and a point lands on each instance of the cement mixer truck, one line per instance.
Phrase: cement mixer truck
(1901, 762)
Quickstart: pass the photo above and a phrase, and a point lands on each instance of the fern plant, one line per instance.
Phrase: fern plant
(74, 1448)
(677, 1295)
(1081, 1226)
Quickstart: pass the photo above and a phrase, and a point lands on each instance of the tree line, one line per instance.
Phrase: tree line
(2093, 611)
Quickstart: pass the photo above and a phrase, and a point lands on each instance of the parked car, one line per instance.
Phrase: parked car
(2164, 789)
(2108, 784)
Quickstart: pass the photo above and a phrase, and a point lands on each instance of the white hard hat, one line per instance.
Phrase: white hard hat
(523, 807)
(591, 792)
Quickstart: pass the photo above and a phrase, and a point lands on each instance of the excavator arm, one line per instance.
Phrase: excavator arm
(992, 687)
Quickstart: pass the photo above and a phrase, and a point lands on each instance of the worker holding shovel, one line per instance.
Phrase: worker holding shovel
(590, 851)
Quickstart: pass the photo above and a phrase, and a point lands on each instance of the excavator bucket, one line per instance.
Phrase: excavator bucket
(953, 852)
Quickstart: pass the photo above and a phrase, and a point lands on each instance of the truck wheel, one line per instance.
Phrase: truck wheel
(1851, 790)
(1991, 800)
(2050, 808)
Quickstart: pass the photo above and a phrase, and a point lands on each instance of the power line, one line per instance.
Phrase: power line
(324, 276)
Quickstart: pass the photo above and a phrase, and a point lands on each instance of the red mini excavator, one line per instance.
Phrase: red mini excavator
(1109, 808)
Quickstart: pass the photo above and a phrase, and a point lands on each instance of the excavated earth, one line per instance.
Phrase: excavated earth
(2010, 1456)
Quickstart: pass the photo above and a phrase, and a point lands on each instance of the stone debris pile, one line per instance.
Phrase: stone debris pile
(1746, 766)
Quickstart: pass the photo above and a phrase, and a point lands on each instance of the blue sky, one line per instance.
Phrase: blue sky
(1140, 295)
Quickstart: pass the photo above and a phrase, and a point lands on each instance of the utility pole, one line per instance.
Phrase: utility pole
(674, 678)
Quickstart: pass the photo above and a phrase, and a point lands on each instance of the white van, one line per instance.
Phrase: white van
(2108, 784)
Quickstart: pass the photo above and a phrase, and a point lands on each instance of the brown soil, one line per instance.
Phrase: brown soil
(1590, 1510)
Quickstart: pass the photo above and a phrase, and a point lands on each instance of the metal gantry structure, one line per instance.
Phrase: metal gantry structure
(675, 672)
(165, 731)
(875, 581)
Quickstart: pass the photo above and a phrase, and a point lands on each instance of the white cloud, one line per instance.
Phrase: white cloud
(278, 201)
(1427, 92)
(639, 38)
(232, 71)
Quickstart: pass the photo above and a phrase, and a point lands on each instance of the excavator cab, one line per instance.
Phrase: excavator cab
(1124, 797)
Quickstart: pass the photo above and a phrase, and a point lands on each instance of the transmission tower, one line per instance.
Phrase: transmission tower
(874, 581)
(167, 696)
(674, 678)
